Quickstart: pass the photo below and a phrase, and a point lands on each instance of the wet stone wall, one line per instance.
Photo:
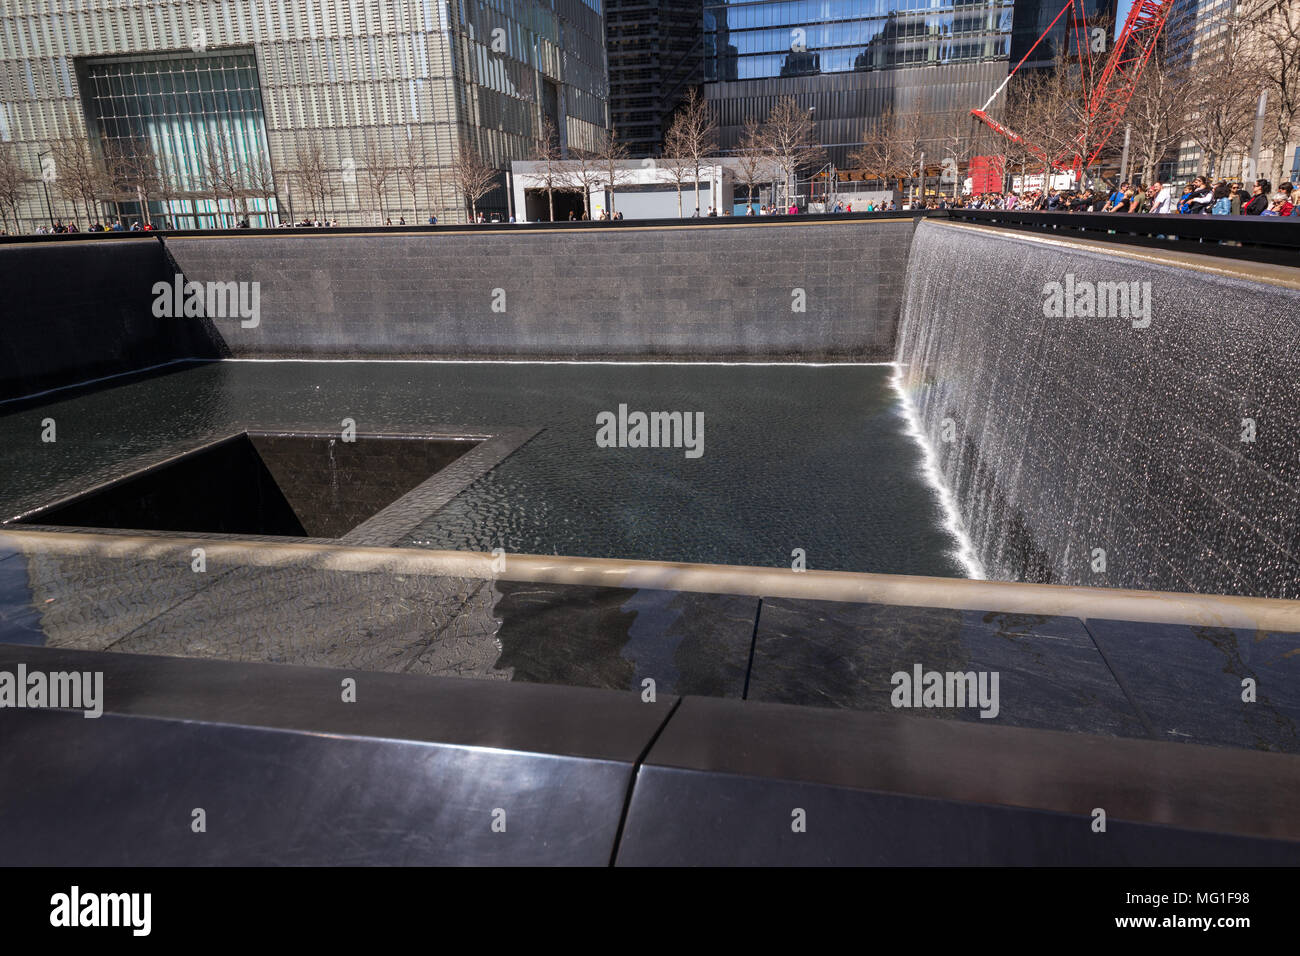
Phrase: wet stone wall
(1107, 418)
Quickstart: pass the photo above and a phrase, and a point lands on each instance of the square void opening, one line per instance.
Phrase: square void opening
(313, 486)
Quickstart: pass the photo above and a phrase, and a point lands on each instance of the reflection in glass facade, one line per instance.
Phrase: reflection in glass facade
(850, 61)
(747, 40)
(654, 58)
(185, 114)
(408, 82)
(1033, 17)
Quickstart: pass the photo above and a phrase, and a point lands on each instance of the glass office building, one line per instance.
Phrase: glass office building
(194, 120)
(279, 108)
(747, 40)
(1035, 17)
(1193, 34)
(848, 61)
(654, 58)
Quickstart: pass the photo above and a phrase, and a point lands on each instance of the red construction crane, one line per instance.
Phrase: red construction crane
(1107, 102)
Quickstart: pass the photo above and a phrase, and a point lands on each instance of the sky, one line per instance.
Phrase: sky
(1121, 14)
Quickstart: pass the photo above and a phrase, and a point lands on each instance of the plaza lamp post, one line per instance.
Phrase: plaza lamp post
(811, 111)
(45, 184)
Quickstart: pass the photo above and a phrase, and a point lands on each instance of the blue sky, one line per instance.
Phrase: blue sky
(1121, 14)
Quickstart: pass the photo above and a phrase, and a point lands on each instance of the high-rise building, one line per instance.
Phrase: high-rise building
(848, 61)
(1046, 19)
(1237, 40)
(655, 50)
(202, 110)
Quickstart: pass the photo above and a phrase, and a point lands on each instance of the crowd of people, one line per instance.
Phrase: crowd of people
(1198, 197)
(59, 227)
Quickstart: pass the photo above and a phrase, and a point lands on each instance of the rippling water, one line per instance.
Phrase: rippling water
(794, 456)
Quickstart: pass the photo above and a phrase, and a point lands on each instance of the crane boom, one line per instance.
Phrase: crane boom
(1107, 102)
(1119, 78)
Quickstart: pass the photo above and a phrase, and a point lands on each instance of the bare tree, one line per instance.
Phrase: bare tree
(908, 137)
(1158, 116)
(887, 153)
(696, 135)
(312, 176)
(260, 181)
(376, 172)
(473, 177)
(872, 155)
(221, 174)
(583, 172)
(13, 184)
(612, 155)
(78, 176)
(791, 139)
(412, 169)
(752, 166)
(955, 147)
(1088, 127)
(1045, 110)
(133, 173)
(1021, 114)
(1276, 31)
(1225, 84)
(676, 164)
(551, 166)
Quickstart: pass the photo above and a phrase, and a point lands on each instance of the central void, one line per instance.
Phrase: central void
(816, 458)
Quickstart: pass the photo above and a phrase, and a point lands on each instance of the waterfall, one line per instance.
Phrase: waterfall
(1107, 416)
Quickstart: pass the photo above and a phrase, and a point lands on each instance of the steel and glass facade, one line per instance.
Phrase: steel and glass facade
(411, 81)
(757, 39)
(1193, 32)
(182, 112)
(1034, 18)
(848, 61)
(655, 55)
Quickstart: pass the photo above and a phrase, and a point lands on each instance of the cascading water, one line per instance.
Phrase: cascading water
(1103, 418)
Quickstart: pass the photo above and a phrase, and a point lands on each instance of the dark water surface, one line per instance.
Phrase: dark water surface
(794, 456)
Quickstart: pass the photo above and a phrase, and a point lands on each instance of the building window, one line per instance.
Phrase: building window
(182, 137)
